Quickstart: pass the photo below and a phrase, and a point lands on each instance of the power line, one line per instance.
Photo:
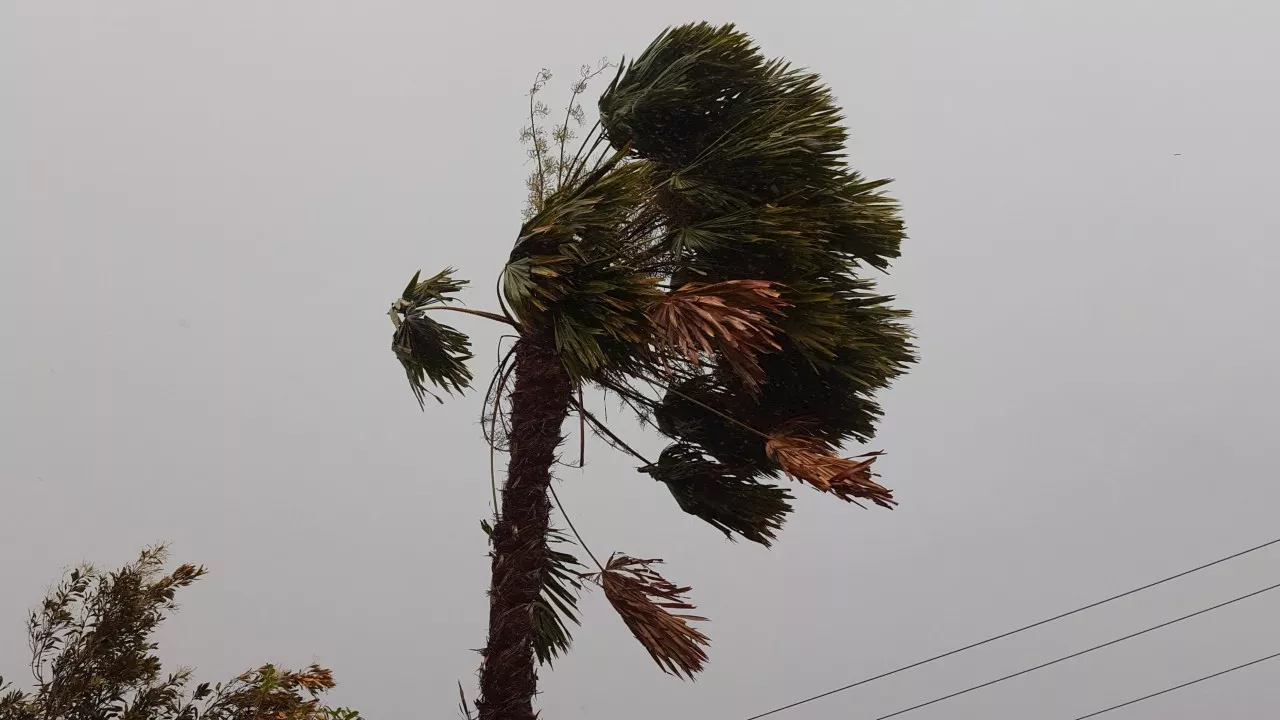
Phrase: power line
(1041, 666)
(1011, 633)
(1179, 687)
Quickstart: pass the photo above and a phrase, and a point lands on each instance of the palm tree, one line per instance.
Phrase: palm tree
(701, 257)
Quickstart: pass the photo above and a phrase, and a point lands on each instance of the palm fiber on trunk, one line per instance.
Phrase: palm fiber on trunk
(539, 404)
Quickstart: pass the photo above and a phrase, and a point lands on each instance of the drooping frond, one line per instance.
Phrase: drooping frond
(730, 319)
(645, 601)
(808, 459)
(726, 497)
(557, 599)
(430, 351)
(433, 352)
(558, 602)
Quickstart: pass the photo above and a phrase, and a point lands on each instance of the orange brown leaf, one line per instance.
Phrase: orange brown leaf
(809, 459)
(645, 600)
(729, 319)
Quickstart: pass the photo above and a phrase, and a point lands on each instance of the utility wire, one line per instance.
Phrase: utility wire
(1041, 666)
(1011, 633)
(1179, 687)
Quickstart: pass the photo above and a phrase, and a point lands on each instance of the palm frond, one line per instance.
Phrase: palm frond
(727, 498)
(596, 310)
(694, 411)
(433, 290)
(645, 601)
(808, 459)
(747, 158)
(430, 351)
(558, 601)
(728, 320)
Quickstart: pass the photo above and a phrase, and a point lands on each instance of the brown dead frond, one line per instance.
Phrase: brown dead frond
(729, 319)
(809, 459)
(645, 600)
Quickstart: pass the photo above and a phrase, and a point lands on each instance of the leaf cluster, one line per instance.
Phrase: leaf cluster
(93, 658)
(653, 610)
(430, 351)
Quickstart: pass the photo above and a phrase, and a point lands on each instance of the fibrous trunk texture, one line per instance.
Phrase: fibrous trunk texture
(539, 404)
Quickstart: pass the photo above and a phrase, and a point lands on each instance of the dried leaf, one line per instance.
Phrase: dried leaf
(645, 600)
(809, 459)
(725, 319)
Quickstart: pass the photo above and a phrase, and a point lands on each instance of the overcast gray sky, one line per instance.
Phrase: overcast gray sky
(212, 205)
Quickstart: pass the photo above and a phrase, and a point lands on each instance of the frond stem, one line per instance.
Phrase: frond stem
(569, 521)
(477, 313)
(604, 430)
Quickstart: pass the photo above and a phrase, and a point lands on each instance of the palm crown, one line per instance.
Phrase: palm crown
(701, 257)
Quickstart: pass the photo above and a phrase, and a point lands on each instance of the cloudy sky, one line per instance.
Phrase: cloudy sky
(211, 205)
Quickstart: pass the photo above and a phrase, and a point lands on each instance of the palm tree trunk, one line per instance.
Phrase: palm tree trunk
(539, 404)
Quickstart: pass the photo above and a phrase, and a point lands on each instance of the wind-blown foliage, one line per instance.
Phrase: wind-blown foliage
(93, 657)
(704, 258)
(427, 349)
(557, 599)
(807, 458)
(730, 319)
(645, 601)
(726, 497)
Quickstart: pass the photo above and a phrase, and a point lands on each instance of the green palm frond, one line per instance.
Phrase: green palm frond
(748, 158)
(435, 289)
(572, 269)
(557, 600)
(726, 497)
(430, 351)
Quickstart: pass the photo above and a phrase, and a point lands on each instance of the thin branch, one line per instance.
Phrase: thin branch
(707, 407)
(574, 167)
(578, 88)
(462, 703)
(582, 166)
(627, 392)
(477, 313)
(631, 397)
(502, 303)
(604, 429)
(503, 372)
(537, 150)
(569, 522)
(564, 135)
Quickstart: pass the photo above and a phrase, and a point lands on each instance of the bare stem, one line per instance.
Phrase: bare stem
(604, 430)
(537, 150)
(574, 530)
(477, 313)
